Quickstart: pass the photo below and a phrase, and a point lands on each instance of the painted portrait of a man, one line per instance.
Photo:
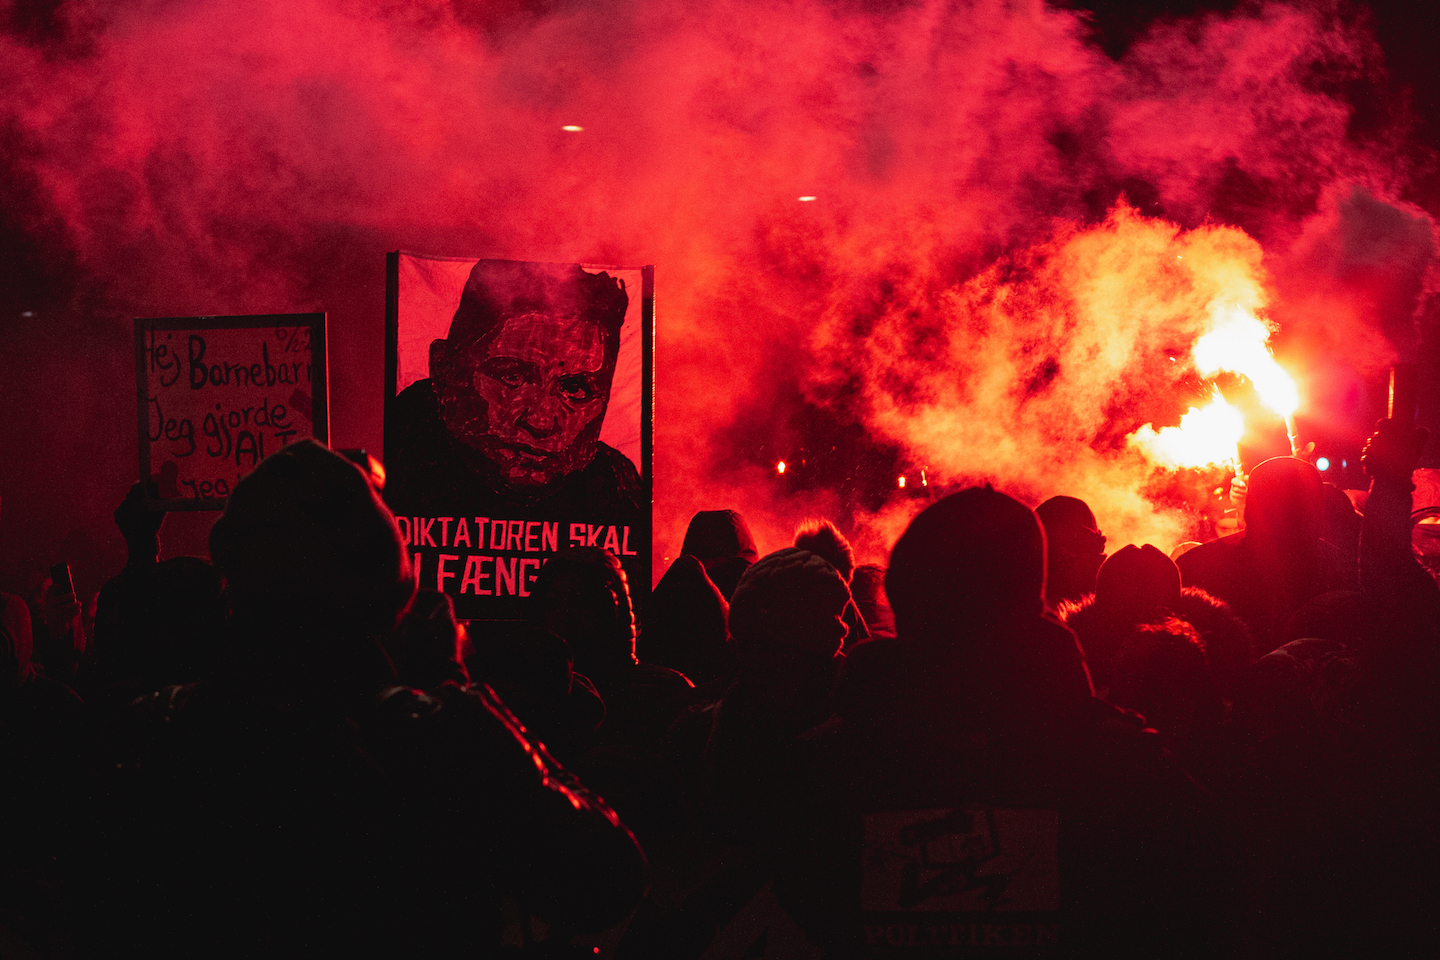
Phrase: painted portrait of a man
(518, 390)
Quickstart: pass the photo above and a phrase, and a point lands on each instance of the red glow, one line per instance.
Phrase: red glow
(962, 295)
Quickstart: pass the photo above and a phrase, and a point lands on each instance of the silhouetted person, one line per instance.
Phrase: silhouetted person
(1266, 572)
(1159, 669)
(824, 539)
(983, 797)
(686, 627)
(1342, 524)
(721, 540)
(157, 622)
(788, 624)
(582, 596)
(1074, 549)
(306, 802)
(43, 737)
(1140, 585)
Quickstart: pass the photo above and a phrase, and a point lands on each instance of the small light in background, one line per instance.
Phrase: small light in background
(806, 199)
(571, 128)
(923, 482)
(780, 467)
(1344, 464)
(1322, 464)
(27, 313)
(902, 483)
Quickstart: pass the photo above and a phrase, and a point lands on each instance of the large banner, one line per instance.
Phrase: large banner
(518, 420)
(216, 395)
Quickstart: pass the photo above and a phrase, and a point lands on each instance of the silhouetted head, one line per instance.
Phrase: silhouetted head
(525, 372)
(824, 539)
(790, 603)
(721, 540)
(1284, 502)
(1159, 670)
(305, 541)
(582, 596)
(685, 623)
(969, 563)
(1137, 582)
(1075, 548)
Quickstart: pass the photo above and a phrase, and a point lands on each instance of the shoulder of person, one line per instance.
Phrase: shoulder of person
(661, 679)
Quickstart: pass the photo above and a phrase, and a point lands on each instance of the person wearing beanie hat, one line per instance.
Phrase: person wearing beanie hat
(1137, 578)
(738, 753)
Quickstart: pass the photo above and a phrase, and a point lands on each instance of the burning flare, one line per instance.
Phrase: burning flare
(1237, 344)
(1211, 435)
(1208, 435)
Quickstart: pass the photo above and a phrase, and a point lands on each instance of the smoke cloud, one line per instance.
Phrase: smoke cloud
(1011, 235)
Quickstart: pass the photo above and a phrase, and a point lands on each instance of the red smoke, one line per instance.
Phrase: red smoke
(962, 292)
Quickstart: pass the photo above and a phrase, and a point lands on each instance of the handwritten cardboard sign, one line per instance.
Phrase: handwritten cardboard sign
(216, 395)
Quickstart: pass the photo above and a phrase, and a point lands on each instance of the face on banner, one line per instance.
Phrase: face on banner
(515, 425)
(532, 399)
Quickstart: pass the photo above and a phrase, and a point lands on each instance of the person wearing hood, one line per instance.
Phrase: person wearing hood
(686, 628)
(721, 540)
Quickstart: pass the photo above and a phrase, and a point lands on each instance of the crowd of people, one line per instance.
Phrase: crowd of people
(289, 750)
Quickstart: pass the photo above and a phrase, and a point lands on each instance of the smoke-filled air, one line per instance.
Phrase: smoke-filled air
(953, 242)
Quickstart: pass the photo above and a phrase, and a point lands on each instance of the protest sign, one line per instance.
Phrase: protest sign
(217, 394)
(518, 420)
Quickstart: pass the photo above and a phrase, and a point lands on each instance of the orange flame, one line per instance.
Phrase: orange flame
(1207, 435)
(1237, 344)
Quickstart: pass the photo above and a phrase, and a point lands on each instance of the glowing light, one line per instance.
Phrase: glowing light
(806, 199)
(780, 467)
(1322, 464)
(902, 483)
(1237, 343)
(923, 481)
(571, 128)
(1206, 435)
